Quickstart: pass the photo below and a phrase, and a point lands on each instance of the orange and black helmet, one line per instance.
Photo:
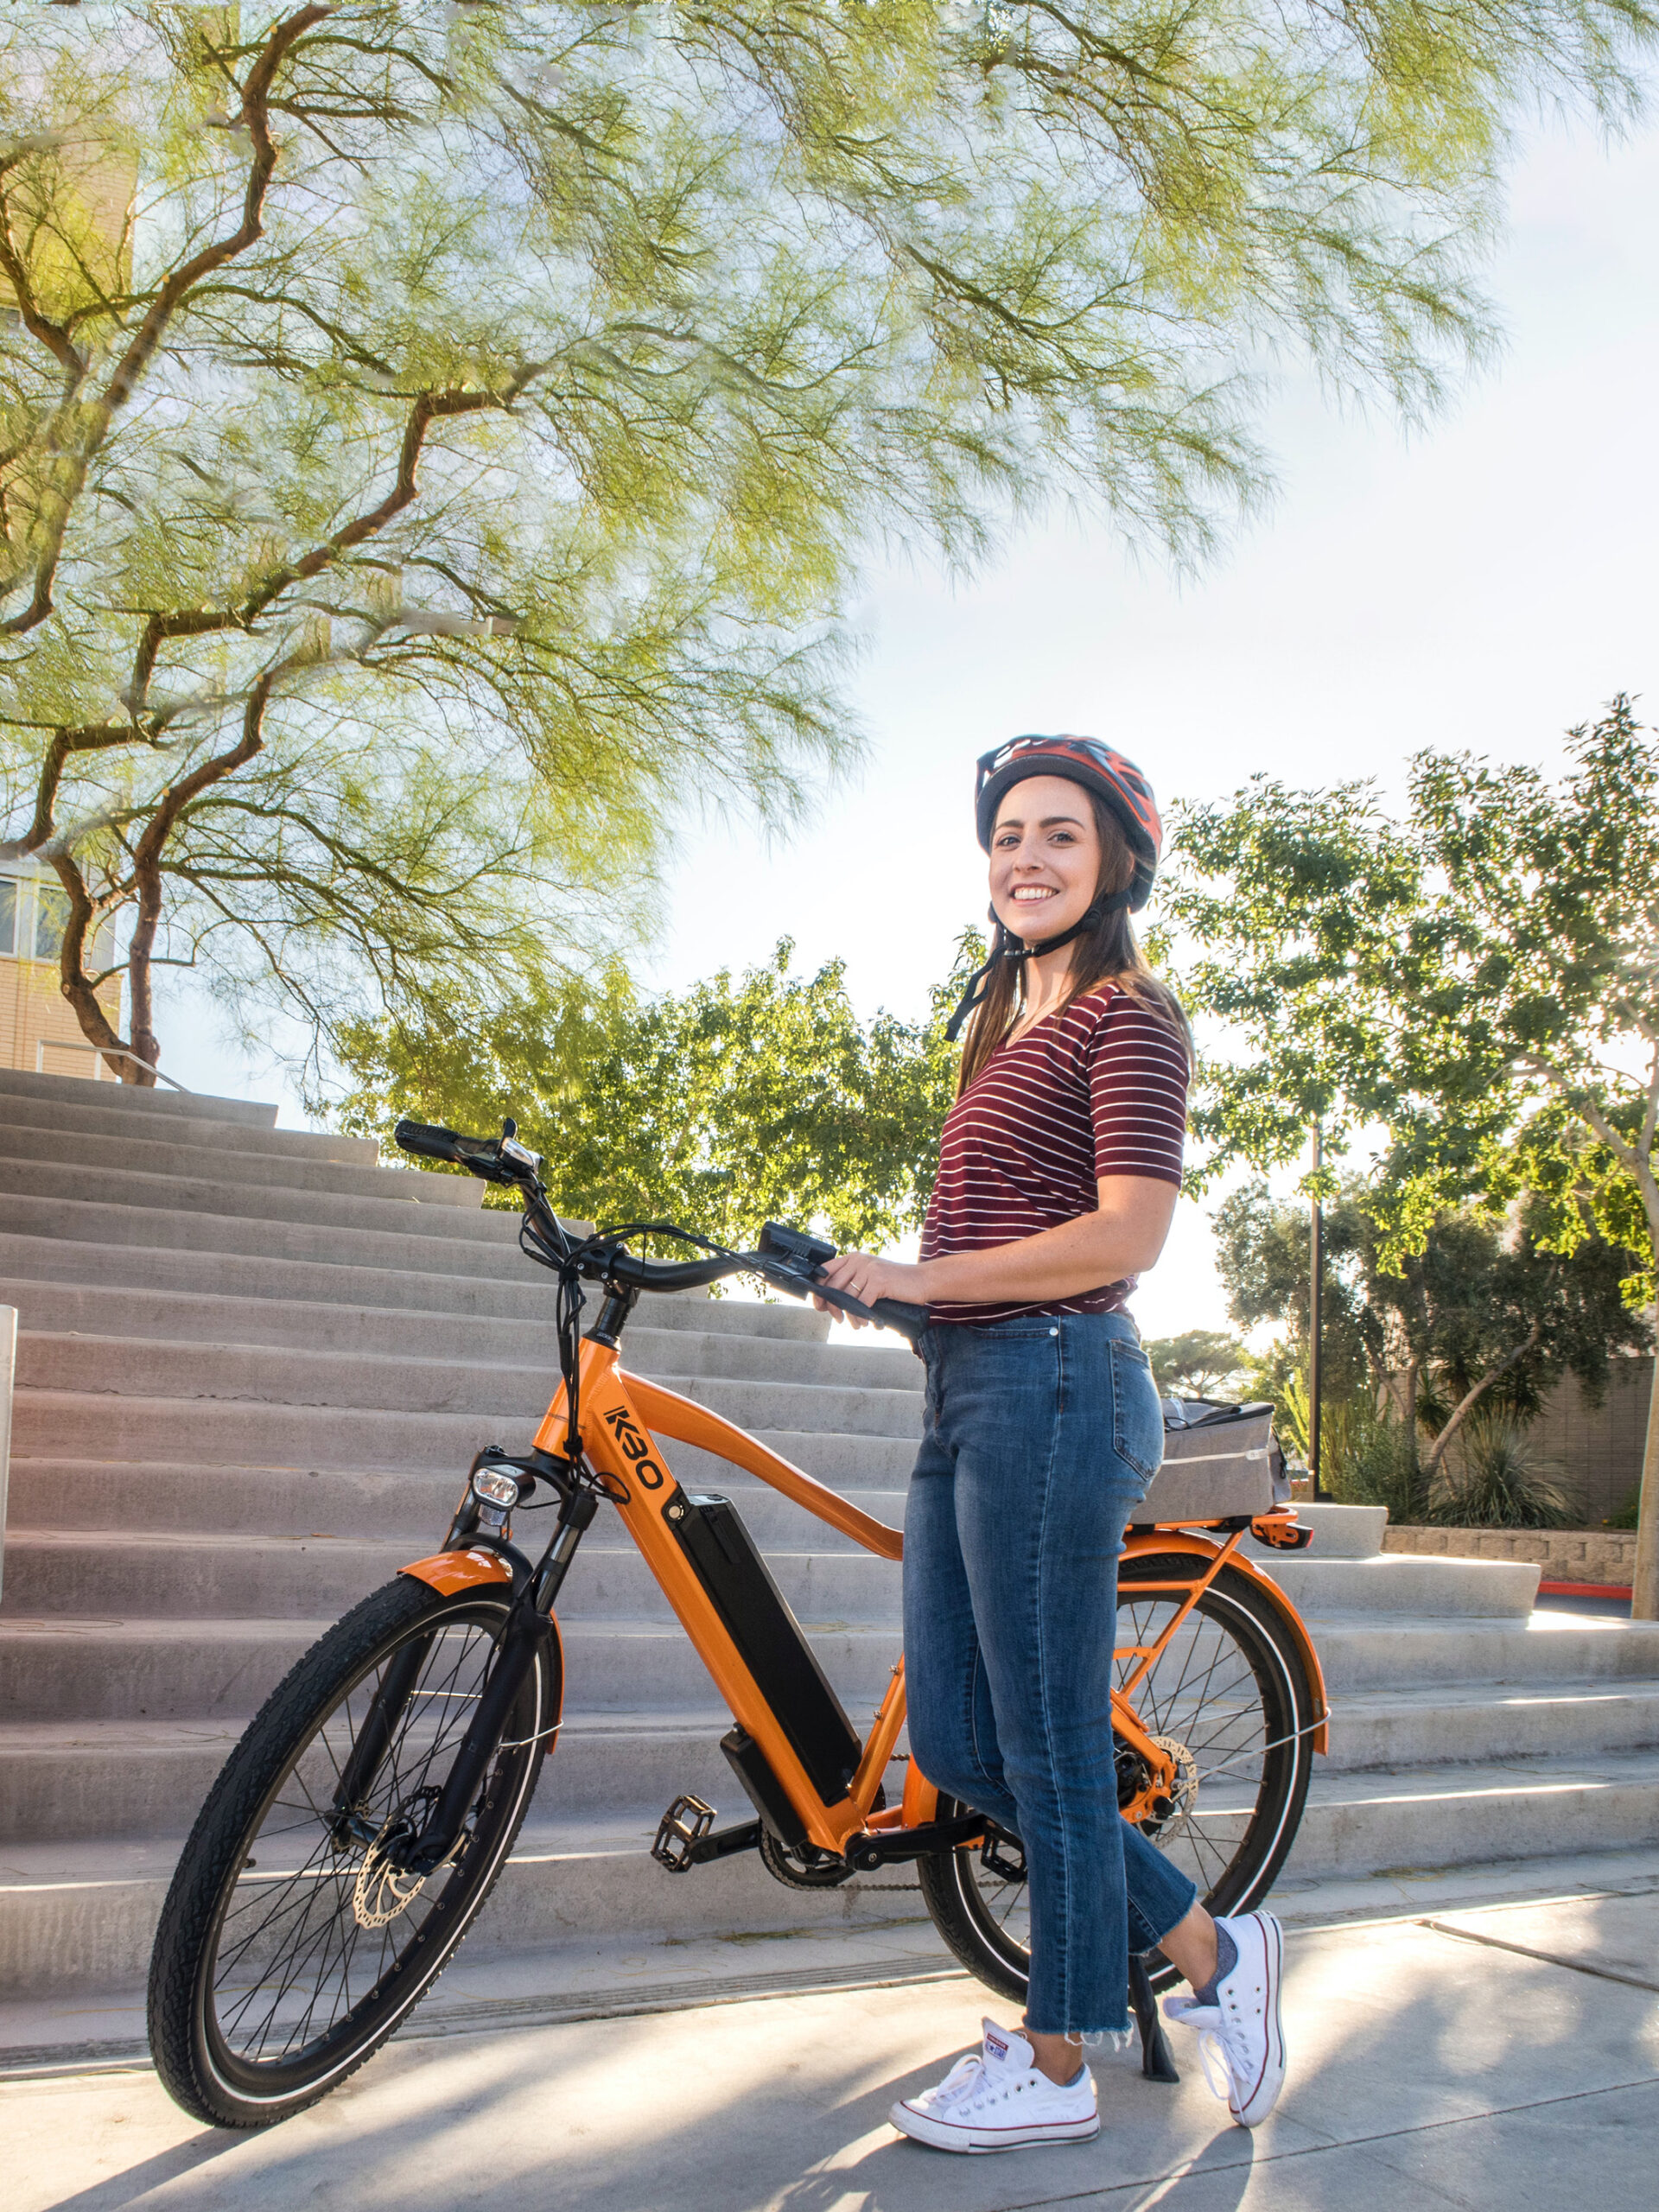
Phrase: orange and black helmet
(1087, 761)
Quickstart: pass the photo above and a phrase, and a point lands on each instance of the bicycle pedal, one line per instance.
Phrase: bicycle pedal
(679, 1832)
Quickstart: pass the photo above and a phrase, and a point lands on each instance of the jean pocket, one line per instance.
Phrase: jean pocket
(1137, 1416)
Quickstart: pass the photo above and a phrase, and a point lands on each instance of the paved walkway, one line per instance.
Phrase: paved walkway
(1505, 2057)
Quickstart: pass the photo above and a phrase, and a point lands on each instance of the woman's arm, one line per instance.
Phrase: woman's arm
(1124, 1238)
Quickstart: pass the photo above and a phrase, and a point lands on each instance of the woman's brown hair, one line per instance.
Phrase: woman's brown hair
(1106, 952)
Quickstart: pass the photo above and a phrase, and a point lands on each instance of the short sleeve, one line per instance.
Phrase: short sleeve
(1137, 1092)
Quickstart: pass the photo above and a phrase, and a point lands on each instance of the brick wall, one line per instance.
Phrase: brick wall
(1565, 1555)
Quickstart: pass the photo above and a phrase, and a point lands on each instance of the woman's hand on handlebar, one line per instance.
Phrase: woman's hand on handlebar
(865, 1278)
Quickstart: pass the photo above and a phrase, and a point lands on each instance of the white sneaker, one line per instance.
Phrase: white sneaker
(999, 2101)
(1241, 2036)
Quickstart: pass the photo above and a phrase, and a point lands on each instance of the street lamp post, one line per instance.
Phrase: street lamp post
(1315, 1323)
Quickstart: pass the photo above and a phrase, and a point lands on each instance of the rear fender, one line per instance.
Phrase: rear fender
(1160, 1542)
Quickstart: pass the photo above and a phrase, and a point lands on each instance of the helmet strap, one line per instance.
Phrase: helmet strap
(1006, 946)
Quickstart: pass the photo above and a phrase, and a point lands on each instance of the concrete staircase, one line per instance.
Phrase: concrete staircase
(253, 1366)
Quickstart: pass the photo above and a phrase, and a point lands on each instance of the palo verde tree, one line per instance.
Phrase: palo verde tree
(437, 442)
(1481, 979)
(742, 1098)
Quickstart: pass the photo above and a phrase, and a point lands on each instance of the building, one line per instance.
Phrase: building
(39, 1032)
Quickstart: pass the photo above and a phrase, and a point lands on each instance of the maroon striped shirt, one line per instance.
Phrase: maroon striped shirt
(1099, 1090)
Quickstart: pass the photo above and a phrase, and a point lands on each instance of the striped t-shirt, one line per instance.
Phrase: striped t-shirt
(1099, 1090)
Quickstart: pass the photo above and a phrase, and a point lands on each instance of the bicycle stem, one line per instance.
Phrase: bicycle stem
(526, 1631)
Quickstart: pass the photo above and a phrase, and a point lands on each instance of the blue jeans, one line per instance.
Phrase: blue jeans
(1039, 1437)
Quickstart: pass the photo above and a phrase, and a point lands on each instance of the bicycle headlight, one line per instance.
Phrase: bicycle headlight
(491, 1486)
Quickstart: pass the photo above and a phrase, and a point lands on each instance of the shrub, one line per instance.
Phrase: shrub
(1499, 1482)
(1626, 1516)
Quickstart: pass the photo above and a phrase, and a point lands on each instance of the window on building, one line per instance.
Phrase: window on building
(7, 914)
(51, 918)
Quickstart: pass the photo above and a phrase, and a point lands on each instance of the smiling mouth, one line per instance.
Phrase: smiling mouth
(1029, 893)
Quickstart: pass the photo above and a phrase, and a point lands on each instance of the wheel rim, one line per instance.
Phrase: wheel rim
(310, 1934)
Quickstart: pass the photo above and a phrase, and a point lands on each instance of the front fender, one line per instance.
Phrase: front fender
(449, 1572)
(1160, 1542)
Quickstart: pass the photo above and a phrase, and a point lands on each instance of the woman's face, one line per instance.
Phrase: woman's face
(1044, 857)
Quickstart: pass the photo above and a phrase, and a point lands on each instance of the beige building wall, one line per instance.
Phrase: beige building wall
(38, 1029)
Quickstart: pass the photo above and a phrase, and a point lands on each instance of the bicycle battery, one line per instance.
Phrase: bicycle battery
(770, 1640)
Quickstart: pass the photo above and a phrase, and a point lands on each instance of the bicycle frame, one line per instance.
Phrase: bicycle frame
(622, 1416)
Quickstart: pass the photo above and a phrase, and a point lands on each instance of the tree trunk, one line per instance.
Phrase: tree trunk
(1644, 1592)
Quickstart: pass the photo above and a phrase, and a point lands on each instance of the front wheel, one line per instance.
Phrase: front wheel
(1228, 1697)
(291, 1946)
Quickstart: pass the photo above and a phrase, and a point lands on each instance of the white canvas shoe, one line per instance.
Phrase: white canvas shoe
(998, 2100)
(1241, 2037)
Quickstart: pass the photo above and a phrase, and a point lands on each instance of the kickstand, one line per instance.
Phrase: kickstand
(1155, 2061)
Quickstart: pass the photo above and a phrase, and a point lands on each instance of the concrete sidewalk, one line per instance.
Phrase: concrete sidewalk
(1502, 2057)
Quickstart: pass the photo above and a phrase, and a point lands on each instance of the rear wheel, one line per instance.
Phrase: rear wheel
(289, 1946)
(1228, 1698)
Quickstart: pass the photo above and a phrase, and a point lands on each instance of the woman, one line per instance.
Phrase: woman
(1059, 1165)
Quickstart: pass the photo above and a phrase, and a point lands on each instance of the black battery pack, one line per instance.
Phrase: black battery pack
(769, 1639)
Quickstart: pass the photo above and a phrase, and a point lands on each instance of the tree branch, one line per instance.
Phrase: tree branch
(1471, 1398)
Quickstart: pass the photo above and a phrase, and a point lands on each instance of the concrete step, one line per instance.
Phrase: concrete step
(31, 1264)
(1366, 1586)
(1467, 1814)
(78, 1572)
(98, 1119)
(123, 1243)
(215, 1189)
(1361, 1652)
(89, 1778)
(82, 1917)
(86, 1425)
(180, 1154)
(174, 1105)
(1480, 1722)
(83, 1914)
(138, 1497)
(156, 1573)
(377, 1332)
(81, 1667)
(429, 1379)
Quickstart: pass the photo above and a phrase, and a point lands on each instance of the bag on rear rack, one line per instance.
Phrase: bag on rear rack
(1219, 1461)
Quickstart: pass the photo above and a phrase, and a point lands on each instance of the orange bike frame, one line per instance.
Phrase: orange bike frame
(622, 1417)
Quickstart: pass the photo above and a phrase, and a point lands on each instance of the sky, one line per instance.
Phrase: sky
(1483, 583)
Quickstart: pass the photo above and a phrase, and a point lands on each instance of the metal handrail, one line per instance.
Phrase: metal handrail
(103, 1053)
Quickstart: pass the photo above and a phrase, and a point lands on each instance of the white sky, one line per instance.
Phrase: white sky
(1482, 584)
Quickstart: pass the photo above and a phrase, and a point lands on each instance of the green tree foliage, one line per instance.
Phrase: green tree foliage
(743, 1099)
(1479, 979)
(438, 442)
(1484, 1317)
(1199, 1363)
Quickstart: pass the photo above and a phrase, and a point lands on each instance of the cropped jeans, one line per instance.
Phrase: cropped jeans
(1040, 1435)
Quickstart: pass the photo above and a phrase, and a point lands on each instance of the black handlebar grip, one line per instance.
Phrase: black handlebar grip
(899, 1313)
(430, 1142)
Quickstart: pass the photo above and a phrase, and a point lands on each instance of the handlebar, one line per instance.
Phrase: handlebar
(788, 1259)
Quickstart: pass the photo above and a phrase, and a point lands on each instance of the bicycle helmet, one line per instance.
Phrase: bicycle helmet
(1084, 760)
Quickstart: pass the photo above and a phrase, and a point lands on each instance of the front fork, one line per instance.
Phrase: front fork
(422, 1850)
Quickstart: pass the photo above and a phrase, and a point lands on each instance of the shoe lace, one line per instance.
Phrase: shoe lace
(1213, 2058)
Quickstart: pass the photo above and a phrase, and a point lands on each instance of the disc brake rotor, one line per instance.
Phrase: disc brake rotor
(1184, 1797)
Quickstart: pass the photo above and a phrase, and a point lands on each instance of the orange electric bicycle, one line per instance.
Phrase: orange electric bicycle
(360, 1825)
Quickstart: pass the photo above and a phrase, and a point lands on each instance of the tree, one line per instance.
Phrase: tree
(741, 1100)
(1483, 1318)
(438, 444)
(1481, 980)
(1199, 1363)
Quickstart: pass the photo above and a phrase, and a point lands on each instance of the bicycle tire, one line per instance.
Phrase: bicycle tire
(215, 1961)
(980, 1916)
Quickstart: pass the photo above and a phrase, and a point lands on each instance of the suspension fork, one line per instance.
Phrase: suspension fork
(527, 1630)
(374, 1736)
